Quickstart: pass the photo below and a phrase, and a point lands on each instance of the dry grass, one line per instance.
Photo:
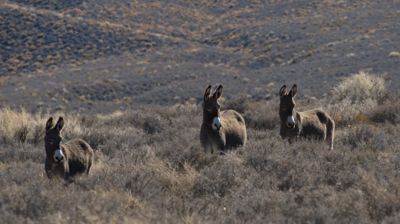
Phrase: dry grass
(150, 168)
(360, 87)
(355, 97)
(18, 127)
(258, 114)
(22, 127)
(388, 112)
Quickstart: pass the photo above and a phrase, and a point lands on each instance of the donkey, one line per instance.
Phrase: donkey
(68, 159)
(220, 130)
(310, 124)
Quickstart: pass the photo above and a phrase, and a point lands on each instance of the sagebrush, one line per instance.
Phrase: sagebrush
(150, 168)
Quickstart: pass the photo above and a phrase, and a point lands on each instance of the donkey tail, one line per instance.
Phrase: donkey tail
(330, 131)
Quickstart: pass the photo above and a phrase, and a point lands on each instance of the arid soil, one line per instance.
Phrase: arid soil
(105, 55)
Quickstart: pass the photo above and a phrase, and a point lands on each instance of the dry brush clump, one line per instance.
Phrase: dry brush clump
(356, 96)
(20, 126)
(387, 112)
(361, 86)
(257, 114)
(149, 167)
(23, 127)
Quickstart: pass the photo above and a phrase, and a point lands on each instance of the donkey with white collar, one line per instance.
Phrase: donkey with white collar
(220, 130)
(67, 159)
(310, 124)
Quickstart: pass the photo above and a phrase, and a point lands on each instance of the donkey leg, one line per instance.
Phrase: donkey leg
(221, 143)
(330, 132)
(88, 166)
(330, 127)
(47, 169)
(67, 176)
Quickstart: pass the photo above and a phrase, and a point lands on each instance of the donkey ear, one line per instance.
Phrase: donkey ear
(218, 92)
(49, 123)
(207, 92)
(283, 91)
(60, 123)
(293, 91)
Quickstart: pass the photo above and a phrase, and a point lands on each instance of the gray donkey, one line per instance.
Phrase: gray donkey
(311, 124)
(68, 159)
(220, 130)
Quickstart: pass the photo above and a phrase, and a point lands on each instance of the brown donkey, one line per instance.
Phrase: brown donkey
(220, 130)
(311, 124)
(68, 159)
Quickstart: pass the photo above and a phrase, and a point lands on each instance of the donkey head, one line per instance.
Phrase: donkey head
(287, 112)
(53, 138)
(211, 108)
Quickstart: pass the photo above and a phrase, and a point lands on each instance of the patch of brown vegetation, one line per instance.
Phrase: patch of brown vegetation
(150, 166)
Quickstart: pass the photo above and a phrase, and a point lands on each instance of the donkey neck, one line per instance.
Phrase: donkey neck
(295, 113)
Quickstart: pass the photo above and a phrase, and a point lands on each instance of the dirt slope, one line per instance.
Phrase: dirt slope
(101, 55)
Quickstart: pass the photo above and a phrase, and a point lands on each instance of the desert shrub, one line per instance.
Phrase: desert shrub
(388, 112)
(152, 125)
(395, 218)
(359, 136)
(378, 197)
(354, 97)
(240, 104)
(368, 137)
(257, 114)
(22, 152)
(360, 87)
(263, 115)
(165, 175)
(219, 178)
(346, 113)
(19, 126)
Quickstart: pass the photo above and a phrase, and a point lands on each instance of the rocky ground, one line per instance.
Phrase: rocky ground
(105, 55)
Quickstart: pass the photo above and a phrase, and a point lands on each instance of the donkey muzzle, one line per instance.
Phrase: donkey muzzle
(58, 155)
(290, 122)
(216, 124)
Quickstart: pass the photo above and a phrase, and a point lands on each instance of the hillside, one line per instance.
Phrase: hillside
(105, 55)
